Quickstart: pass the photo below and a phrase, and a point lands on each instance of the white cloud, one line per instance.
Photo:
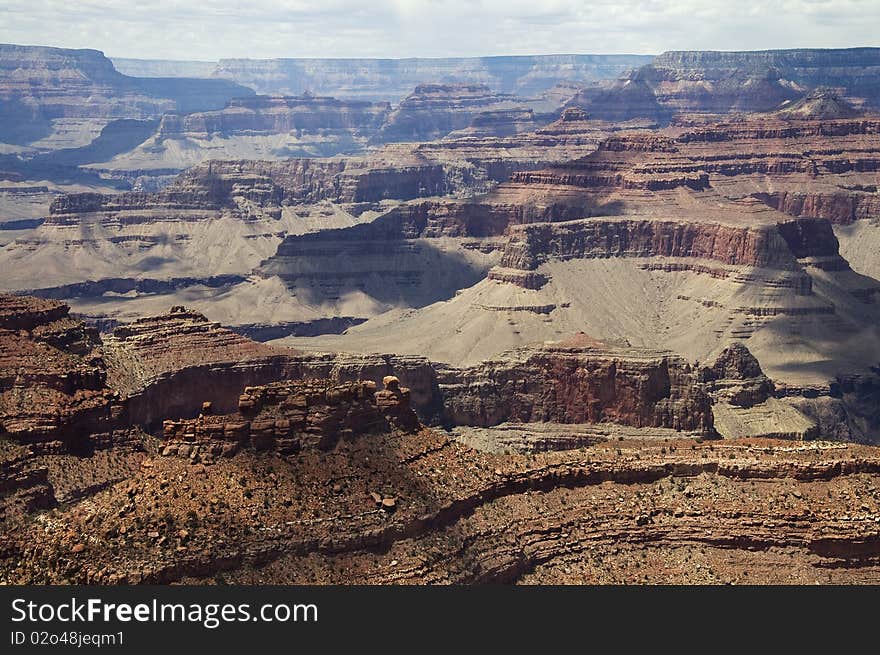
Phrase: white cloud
(211, 29)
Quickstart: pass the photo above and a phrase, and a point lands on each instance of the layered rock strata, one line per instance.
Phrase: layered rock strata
(393, 79)
(274, 114)
(289, 417)
(40, 86)
(423, 509)
(52, 379)
(722, 82)
(575, 385)
(434, 110)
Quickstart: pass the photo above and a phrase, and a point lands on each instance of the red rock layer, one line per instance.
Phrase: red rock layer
(578, 385)
(52, 377)
(289, 417)
(531, 245)
(840, 208)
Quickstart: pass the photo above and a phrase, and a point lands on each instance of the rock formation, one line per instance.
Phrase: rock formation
(384, 79)
(823, 104)
(211, 226)
(661, 327)
(40, 86)
(721, 82)
(421, 508)
(434, 110)
(290, 417)
(277, 127)
(53, 394)
(698, 210)
(274, 114)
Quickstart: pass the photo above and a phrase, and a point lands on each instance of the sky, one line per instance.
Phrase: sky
(213, 29)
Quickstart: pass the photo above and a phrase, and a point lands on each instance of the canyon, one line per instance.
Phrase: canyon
(392, 79)
(360, 472)
(58, 96)
(722, 82)
(559, 319)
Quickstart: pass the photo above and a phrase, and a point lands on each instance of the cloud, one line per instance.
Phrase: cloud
(212, 29)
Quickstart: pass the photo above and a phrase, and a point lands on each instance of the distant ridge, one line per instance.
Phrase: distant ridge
(393, 79)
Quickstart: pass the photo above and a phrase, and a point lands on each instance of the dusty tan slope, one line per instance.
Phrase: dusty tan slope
(619, 300)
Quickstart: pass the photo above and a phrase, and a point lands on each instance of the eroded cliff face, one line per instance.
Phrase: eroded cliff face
(39, 85)
(838, 207)
(722, 82)
(438, 512)
(276, 127)
(854, 69)
(53, 392)
(310, 475)
(174, 234)
(766, 247)
(571, 385)
(384, 79)
(272, 114)
(179, 363)
(269, 185)
(684, 221)
(290, 417)
(809, 169)
(434, 110)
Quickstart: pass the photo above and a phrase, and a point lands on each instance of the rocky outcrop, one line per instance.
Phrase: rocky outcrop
(168, 365)
(279, 114)
(53, 394)
(392, 260)
(736, 378)
(578, 385)
(311, 126)
(760, 128)
(498, 123)
(853, 69)
(524, 279)
(633, 161)
(24, 483)
(838, 207)
(624, 100)
(820, 103)
(270, 185)
(290, 417)
(21, 313)
(812, 238)
(171, 365)
(409, 509)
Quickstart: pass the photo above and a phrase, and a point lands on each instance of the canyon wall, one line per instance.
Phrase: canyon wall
(392, 79)
(577, 386)
(766, 246)
(270, 114)
(290, 417)
(432, 111)
(53, 392)
(39, 84)
(721, 82)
